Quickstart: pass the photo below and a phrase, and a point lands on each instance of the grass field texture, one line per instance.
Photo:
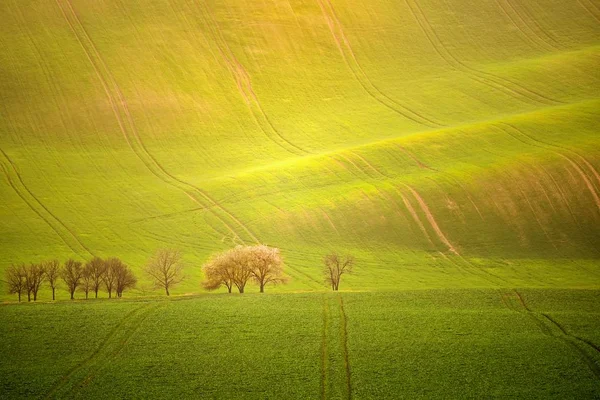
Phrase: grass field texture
(428, 137)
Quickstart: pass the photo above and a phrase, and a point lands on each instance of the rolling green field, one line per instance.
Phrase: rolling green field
(452, 148)
(410, 344)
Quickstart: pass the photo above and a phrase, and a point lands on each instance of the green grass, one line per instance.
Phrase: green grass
(403, 344)
(126, 128)
(452, 149)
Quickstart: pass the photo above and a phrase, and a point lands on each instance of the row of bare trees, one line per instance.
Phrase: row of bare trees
(236, 267)
(111, 274)
(232, 268)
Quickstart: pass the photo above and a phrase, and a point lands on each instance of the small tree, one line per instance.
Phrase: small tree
(238, 257)
(53, 271)
(96, 268)
(34, 277)
(109, 278)
(165, 269)
(218, 271)
(87, 280)
(266, 265)
(15, 279)
(335, 267)
(125, 279)
(71, 274)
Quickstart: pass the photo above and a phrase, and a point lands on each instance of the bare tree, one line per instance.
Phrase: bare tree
(72, 273)
(125, 279)
(165, 269)
(96, 268)
(34, 277)
(335, 267)
(218, 271)
(266, 265)
(15, 279)
(52, 270)
(110, 278)
(87, 280)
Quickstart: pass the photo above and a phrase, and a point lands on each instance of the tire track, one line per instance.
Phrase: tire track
(513, 14)
(575, 166)
(126, 124)
(549, 39)
(590, 10)
(92, 358)
(95, 369)
(512, 88)
(343, 45)
(514, 19)
(344, 324)
(324, 350)
(432, 220)
(552, 328)
(244, 85)
(33, 202)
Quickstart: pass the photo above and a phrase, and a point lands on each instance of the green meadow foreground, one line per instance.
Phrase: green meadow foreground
(453, 149)
(411, 344)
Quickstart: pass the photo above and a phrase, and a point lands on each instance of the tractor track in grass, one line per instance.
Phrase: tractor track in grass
(513, 14)
(590, 10)
(244, 86)
(496, 82)
(585, 178)
(324, 353)
(336, 373)
(102, 361)
(344, 323)
(549, 40)
(128, 128)
(33, 202)
(130, 318)
(551, 328)
(349, 57)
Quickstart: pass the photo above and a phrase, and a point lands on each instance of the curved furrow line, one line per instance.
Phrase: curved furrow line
(515, 21)
(553, 329)
(363, 79)
(324, 350)
(125, 121)
(416, 218)
(590, 9)
(486, 78)
(592, 169)
(431, 219)
(105, 356)
(575, 166)
(244, 85)
(536, 37)
(550, 39)
(344, 323)
(33, 202)
(64, 380)
(537, 219)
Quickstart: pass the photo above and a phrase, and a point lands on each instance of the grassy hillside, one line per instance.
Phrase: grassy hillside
(445, 145)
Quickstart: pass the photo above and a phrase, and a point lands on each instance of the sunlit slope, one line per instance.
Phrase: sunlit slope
(443, 144)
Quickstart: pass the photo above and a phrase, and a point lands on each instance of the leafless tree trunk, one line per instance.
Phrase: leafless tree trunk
(15, 280)
(72, 274)
(165, 269)
(335, 267)
(52, 269)
(96, 268)
(110, 278)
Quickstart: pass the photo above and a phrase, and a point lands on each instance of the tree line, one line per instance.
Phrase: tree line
(233, 268)
(111, 274)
